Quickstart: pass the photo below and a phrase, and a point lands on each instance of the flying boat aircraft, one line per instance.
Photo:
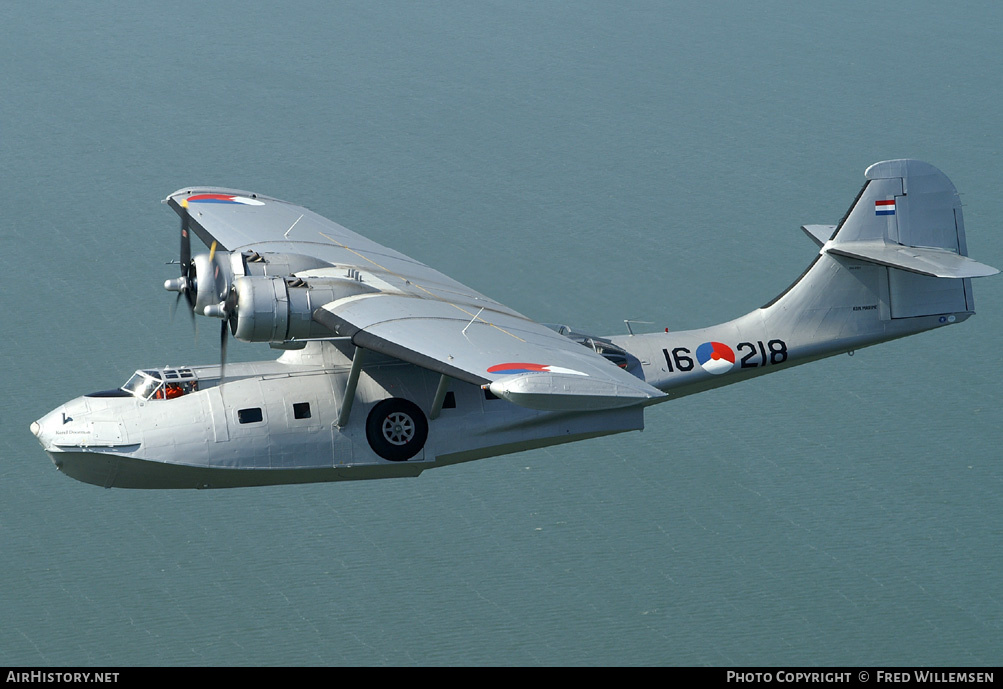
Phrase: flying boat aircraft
(389, 368)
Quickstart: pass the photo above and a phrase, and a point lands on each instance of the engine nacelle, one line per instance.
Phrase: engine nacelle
(279, 309)
(274, 264)
(213, 277)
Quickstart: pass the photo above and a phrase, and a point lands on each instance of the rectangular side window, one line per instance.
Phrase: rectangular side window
(252, 415)
(301, 410)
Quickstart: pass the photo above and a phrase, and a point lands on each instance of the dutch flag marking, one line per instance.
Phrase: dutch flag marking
(884, 207)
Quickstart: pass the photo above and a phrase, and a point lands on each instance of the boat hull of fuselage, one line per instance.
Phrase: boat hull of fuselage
(116, 471)
(282, 425)
(107, 469)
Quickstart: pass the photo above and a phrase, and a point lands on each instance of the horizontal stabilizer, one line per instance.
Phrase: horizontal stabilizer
(819, 234)
(908, 217)
(939, 263)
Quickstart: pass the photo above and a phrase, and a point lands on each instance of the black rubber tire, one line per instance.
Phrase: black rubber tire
(396, 429)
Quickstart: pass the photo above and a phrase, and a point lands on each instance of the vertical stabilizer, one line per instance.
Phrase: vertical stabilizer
(896, 265)
(908, 217)
(906, 202)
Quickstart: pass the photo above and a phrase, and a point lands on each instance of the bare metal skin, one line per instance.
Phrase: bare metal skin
(390, 367)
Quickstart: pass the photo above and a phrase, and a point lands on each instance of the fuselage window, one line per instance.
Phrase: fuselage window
(450, 401)
(301, 410)
(252, 415)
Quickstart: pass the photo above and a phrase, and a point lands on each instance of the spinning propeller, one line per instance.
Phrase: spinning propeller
(225, 307)
(207, 284)
(186, 284)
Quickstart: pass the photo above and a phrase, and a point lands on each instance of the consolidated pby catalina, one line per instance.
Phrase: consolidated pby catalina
(388, 367)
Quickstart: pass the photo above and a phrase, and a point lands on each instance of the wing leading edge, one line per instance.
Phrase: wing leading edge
(415, 313)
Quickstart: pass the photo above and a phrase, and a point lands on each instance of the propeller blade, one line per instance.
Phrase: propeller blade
(191, 314)
(186, 260)
(186, 240)
(222, 349)
(190, 297)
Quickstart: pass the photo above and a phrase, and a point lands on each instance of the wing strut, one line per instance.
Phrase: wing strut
(440, 397)
(353, 382)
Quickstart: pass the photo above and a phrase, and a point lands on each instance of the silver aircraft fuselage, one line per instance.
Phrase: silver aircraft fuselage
(275, 422)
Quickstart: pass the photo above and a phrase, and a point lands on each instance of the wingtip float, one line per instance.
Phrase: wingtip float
(390, 367)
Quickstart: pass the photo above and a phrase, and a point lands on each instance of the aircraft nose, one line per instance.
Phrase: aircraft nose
(39, 430)
(45, 428)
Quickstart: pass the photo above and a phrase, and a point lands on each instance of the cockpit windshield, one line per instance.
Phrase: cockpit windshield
(143, 385)
(165, 383)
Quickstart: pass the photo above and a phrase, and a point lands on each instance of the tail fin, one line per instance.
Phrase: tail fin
(908, 216)
(896, 265)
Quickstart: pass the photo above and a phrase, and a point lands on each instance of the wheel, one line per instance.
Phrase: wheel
(396, 429)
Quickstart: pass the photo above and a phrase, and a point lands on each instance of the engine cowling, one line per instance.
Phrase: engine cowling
(279, 309)
(260, 296)
(211, 277)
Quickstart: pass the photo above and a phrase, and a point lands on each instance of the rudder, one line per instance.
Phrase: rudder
(908, 217)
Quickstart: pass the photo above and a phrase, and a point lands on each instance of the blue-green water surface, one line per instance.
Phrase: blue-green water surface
(583, 163)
